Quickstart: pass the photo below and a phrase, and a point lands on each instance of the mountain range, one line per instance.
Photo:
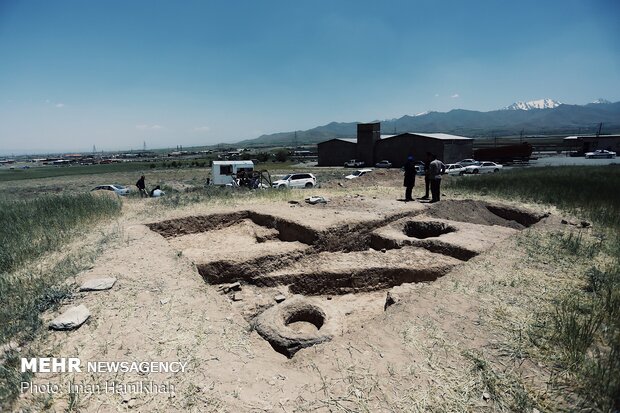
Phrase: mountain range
(537, 117)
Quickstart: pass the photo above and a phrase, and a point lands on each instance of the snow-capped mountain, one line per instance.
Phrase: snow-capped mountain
(601, 101)
(534, 104)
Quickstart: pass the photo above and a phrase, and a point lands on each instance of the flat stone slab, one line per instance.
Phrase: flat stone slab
(98, 284)
(71, 319)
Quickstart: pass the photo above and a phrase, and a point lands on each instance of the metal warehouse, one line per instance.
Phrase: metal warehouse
(335, 152)
(583, 144)
(372, 147)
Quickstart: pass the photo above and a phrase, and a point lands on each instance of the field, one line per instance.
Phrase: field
(504, 296)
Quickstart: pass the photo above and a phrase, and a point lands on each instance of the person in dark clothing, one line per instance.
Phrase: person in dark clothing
(436, 168)
(427, 171)
(409, 182)
(142, 187)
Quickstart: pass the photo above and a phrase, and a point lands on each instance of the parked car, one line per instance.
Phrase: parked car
(383, 164)
(358, 173)
(483, 168)
(119, 189)
(468, 162)
(600, 153)
(353, 163)
(455, 169)
(297, 180)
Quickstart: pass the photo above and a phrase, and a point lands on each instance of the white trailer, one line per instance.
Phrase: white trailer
(225, 172)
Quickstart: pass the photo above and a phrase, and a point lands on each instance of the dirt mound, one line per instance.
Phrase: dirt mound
(483, 213)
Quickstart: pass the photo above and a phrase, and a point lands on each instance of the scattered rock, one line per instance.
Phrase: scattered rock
(279, 298)
(98, 284)
(164, 301)
(237, 297)
(126, 397)
(293, 202)
(486, 396)
(391, 299)
(71, 319)
(232, 287)
(132, 403)
(313, 200)
(585, 224)
(383, 250)
(565, 222)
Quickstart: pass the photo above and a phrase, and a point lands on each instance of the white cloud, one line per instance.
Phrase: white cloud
(60, 105)
(455, 96)
(436, 95)
(202, 129)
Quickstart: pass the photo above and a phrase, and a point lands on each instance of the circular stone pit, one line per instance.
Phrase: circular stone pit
(292, 325)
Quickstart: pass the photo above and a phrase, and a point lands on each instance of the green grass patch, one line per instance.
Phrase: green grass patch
(40, 172)
(579, 335)
(33, 227)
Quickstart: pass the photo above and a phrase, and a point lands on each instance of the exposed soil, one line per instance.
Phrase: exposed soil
(339, 344)
(268, 251)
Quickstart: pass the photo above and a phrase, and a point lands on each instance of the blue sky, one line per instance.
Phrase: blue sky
(114, 74)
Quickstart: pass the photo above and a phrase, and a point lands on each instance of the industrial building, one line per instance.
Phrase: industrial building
(372, 147)
(583, 144)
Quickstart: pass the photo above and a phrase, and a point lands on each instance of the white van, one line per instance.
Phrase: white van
(224, 172)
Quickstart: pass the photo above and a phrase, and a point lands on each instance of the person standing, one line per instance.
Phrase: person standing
(409, 182)
(436, 168)
(427, 174)
(142, 187)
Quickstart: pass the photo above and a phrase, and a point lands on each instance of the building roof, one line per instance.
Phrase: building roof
(574, 138)
(347, 140)
(442, 136)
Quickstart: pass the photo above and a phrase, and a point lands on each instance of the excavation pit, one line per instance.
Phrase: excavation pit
(427, 229)
(308, 319)
(345, 257)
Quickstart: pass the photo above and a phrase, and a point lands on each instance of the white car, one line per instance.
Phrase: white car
(119, 189)
(468, 162)
(455, 169)
(383, 164)
(483, 168)
(600, 153)
(353, 163)
(358, 173)
(298, 180)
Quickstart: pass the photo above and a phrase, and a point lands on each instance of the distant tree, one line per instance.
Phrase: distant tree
(263, 156)
(281, 155)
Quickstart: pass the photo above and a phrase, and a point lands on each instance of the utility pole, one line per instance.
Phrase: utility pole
(600, 126)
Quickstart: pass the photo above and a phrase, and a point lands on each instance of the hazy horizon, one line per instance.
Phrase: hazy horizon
(116, 74)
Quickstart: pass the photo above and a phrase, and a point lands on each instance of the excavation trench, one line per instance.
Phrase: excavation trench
(277, 268)
(345, 259)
